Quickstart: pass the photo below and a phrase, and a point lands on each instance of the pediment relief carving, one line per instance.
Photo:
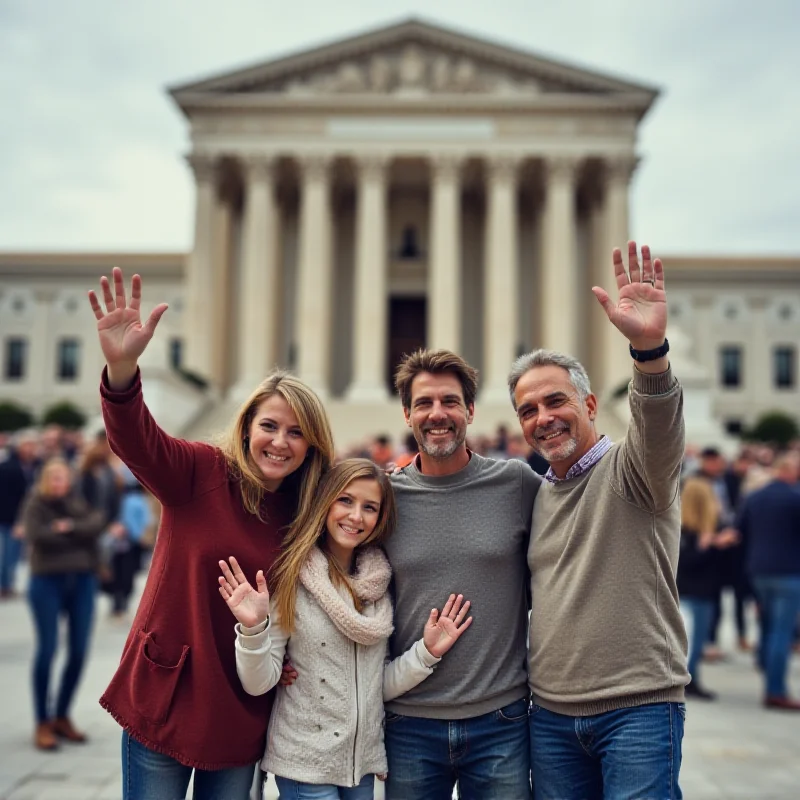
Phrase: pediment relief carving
(414, 70)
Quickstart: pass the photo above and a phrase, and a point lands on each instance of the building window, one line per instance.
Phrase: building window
(409, 246)
(16, 356)
(176, 353)
(783, 361)
(730, 362)
(69, 353)
(735, 427)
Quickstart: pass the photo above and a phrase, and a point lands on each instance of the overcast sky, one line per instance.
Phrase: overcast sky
(91, 147)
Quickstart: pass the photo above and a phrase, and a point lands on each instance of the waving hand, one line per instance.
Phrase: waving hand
(250, 606)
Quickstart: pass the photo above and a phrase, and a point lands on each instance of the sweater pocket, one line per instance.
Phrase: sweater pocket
(153, 682)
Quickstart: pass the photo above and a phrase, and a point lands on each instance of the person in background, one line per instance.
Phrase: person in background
(100, 484)
(16, 477)
(381, 451)
(770, 521)
(698, 573)
(62, 531)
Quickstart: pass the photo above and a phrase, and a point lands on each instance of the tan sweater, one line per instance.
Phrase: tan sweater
(605, 629)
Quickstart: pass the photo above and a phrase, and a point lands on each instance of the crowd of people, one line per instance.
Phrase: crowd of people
(504, 614)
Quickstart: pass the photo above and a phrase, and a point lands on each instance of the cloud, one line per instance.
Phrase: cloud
(91, 146)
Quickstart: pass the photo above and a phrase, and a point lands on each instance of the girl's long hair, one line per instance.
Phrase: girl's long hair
(316, 429)
(309, 530)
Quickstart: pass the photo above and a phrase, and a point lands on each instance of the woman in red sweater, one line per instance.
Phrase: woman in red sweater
(176, 692)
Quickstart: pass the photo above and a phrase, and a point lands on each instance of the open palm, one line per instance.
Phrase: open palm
(250, 606)
(640, 314)
(123, 336)
(443, 630)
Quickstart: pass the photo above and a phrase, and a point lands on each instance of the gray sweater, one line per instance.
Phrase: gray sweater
(466, 533)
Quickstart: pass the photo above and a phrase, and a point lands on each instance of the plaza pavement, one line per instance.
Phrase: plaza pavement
(733, 748)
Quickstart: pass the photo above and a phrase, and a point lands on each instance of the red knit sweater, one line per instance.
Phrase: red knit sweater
(176, 689)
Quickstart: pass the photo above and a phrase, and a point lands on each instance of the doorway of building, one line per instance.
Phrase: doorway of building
(407, 328)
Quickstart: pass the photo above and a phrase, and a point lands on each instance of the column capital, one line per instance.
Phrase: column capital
(372, 166)
(315, 166)
(561, 168)
(205, 167)
(259, 167)
(446, 166)
(620, 168)
(503, 166)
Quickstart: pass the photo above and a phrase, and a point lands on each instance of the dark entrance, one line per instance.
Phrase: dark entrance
(406, 330)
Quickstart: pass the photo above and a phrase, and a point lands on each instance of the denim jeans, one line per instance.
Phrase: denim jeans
(147, 775)
(487, 755)
(630, 754)
(779, 605)
(702, 614)
(294, 790)
(10, 551)
(50, 596)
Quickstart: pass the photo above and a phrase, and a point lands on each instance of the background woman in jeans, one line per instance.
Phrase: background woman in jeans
(62, 532)
(699, 575)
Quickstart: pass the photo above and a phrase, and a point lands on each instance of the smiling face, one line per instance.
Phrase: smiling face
(352, 517)
(438, 415)
(556, 422)
(277, 445)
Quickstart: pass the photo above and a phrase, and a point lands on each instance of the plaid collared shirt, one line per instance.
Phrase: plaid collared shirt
(589, 459)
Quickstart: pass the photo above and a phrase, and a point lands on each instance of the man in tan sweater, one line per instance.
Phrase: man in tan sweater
(607, 651)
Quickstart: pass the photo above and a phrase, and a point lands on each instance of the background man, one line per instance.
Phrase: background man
(469, 722)
(770, 520)
(607, 656)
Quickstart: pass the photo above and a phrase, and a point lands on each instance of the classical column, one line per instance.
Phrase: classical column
(599, 273)
(371, 300)
(313, 318)
(616, 363)
(258, 300)
(559, 293)
(199, 332)
(500, 279)
(444, 270)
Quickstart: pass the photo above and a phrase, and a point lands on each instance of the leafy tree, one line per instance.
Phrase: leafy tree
(66, 414)
(14, 417)
(774, 427)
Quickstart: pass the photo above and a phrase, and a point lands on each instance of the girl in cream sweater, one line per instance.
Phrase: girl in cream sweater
(332, 615)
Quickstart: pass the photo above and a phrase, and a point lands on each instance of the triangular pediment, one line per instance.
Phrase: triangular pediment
(412, 58)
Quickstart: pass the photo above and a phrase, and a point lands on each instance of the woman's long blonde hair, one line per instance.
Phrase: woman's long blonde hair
(699, 506)
(42, 486)
(309, 530)
(316, 429)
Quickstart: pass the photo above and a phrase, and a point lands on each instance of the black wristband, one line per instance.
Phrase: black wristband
(649, 355)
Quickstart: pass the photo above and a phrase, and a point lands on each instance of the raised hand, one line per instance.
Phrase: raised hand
(443, 630)
(123, 337)
(250, 606)
(640, 314)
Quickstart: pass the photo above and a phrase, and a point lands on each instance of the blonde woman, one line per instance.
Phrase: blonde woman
(699, 576)
(176, 692)
(62, 532)
(333, 616)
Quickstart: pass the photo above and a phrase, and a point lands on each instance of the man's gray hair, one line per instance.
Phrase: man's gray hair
(549, 358)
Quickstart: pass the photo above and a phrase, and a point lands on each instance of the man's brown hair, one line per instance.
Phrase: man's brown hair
(437, 362)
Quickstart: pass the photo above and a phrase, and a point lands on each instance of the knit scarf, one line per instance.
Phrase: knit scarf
(369, 583)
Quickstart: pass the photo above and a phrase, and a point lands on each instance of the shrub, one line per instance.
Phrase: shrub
(65, 414)
(774, 427)
(14, 417)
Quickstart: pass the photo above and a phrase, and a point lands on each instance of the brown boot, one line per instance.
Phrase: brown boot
(44, 738)
(63, 727)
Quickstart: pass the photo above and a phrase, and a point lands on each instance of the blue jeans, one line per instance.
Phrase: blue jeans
(147, 775)
(293, 790)
(50, 596)
(629, 754)
(702, 613)
(779, 605)
(488, 756)
(10, 551)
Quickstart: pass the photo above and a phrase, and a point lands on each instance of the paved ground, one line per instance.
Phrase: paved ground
(733, 748)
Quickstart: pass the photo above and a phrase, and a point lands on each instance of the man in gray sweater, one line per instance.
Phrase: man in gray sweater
(463, 526)
(607, 655)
